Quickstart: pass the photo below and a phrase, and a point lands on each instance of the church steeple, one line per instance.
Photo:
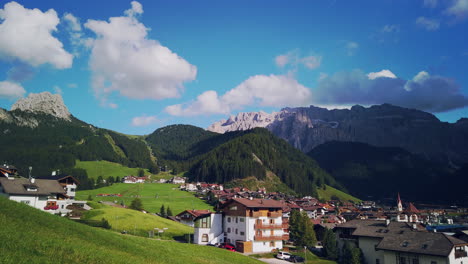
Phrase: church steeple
(399, 204)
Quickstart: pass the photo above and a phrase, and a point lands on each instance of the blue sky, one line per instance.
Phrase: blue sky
(136, 66)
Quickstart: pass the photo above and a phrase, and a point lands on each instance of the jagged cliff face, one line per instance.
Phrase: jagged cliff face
(244, 121)
(45, 102)
(383, 125)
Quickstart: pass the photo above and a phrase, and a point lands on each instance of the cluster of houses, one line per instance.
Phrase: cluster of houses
(256, 221)
(53, 194)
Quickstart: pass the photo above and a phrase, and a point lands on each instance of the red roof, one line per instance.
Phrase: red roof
(412, 209)
(258, 203)
(196, 213)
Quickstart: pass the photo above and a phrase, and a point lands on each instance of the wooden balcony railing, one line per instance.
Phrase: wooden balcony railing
(286, 237)
(268, 226)
(274, 214)
(460, 254)
(268, 238)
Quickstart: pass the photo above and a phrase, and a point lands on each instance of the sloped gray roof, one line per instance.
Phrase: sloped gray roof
(437, 244)
(18, 186)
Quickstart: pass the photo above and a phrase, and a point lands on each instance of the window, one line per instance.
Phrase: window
(402, 260)
(25, 201)
(204, 238)
(242, 233)
(236, 220)
(377, 261)
(204, 222)
(241, 219)
(236, 231)
(272, 221)
(272, 244)
(233, 208)
(272, 232)
(229, 230)
(229, 219)
(72, 189)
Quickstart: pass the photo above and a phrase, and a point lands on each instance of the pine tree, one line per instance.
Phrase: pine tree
(169, 211)
(162, 211)
(330, 248)
(136, 204)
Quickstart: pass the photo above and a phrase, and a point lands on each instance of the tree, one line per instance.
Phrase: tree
(136, 204)
(110, 180)
(301, 229)
(141, 173)
(105, 224)
(90, 198)
(162, 211)
(350, 254)
(330, 248)
(169, 211)
(117, 179)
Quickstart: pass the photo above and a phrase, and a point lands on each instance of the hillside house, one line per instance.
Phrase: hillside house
(385, 242)
(254, 225)
(8, 171)
(133, 179)
(208, 229)
(68, 182)
(188, 217)
(177, 180)
(46, 195)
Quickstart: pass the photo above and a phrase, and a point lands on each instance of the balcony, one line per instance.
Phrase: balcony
(257, 214)
(286, 237)
(268, 238)
(460, 254)
(274, 214)
(268, 226)
(285, 225)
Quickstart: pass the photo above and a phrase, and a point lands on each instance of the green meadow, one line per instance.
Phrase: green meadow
(32, 236)
(327, 193)
(153, 196)
(135, 222)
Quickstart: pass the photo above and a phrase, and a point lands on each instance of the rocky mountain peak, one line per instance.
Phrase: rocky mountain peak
(244, 121)
(45, 102)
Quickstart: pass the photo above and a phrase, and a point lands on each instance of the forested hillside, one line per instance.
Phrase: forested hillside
(49, 143)
(225, 157)
(380, 173)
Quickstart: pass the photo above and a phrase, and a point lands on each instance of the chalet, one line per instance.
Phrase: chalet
(384, 242)
(208, 229)
(188, 217)
(68, 182)
(177, 180)
(8, 171)
(133, 179)
(254, 225)
(46, 195)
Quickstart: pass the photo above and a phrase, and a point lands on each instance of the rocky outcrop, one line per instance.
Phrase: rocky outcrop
(244, 121)
(45, 102)
(381, 125)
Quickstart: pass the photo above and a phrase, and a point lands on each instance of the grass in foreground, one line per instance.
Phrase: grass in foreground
(135, 222)
(32, 236)
(153, 196)
(329, 191)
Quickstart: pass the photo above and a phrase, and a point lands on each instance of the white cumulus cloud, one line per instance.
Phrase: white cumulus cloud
(11, 90)
(26, 34)
(458, 8)
(141, 121)
(380, 74)
(263, 90)
(124, 60)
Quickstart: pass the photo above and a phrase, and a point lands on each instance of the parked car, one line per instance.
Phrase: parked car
(296, 259)
(283, 255)
(228, 246)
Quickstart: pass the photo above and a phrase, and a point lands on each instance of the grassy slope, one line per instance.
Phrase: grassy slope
(106, 169)
(136, 223)
(329, 191)
(167, 195)
(31, 236)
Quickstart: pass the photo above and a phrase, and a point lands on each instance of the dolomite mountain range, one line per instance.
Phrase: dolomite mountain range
(379, 125)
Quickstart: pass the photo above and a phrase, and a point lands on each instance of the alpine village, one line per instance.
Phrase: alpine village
(381, 181)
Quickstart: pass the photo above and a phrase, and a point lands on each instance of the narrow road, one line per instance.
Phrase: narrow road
(273, 260)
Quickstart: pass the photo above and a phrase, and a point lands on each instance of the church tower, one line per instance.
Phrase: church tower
(399, 205)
